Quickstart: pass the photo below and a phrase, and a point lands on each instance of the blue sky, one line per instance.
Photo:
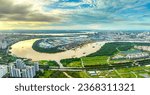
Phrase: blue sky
(75, 14)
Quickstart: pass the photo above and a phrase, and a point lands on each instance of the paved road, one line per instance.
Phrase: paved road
(118, 73)
(134, 74)
(66, 69)
(82, 63)
(59, 63)
(67, 75)
(62, 68)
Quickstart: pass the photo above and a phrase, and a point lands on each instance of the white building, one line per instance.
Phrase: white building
(36, 66)
(19, 69)
(14, 72)
(17, 73)
(30, 71)
(20, 64)
(11, 67)
(24, 73)
(3, 70)
(3, 44)
(137, 55)
(144, 48)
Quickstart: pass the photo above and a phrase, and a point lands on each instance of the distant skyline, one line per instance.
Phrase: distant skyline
(75, 14)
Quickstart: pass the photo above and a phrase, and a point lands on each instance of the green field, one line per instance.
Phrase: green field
(97, 60)
(80, 74)
(50, 74)
(60, 74)
(72, 62)
(49, 63)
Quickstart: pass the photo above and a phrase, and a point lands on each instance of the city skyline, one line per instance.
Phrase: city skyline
(75, 14)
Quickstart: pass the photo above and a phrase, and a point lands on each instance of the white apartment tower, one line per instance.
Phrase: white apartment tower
(24, 73)
(3, 70)
(20, 64)
(36, 66)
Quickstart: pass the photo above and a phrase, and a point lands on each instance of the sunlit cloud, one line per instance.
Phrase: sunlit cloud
(74, 14)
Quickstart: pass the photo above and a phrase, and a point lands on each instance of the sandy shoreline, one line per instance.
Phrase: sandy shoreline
(24, 49)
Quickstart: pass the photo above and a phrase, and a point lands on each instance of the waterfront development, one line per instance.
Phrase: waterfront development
(86, 54)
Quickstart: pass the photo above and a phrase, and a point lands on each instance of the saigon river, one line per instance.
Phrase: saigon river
(24, 49)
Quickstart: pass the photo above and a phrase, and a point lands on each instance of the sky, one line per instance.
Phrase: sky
(75, 14)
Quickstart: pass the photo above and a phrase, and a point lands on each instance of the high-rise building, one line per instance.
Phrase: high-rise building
(14, 72)
(3, 44)
(3, 70)
(17, 73)
(20, 64)
(28, 72)
(36, 66)
(31, 71)
(11, 71)
(24, 73)
(21, 70)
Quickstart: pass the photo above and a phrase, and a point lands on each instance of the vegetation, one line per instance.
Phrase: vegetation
(49, 63)
(110, 49)
(97, 60)
(5, 58)
(119, 61)
(51, 74)
(80, 74)
(72, 62)
(133, 72)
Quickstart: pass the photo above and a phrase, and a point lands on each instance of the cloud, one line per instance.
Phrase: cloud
(141, 24)
(11, 11)
(100, 14)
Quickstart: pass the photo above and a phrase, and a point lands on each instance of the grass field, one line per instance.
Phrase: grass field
(97, 60)
(73, 62)
(80, 74)
(49, 63)
(51, 74)
(59, 74)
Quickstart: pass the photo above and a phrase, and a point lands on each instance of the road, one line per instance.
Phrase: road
(66, 69)
(108, 60)
(118, 73)
(67, 75)
(82, 63)
(59, 63)
(134, 74)
(62, 69)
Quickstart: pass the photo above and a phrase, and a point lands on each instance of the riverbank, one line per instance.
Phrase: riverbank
(24, 49)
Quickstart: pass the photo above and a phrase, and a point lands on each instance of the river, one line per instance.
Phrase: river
(24, 49)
